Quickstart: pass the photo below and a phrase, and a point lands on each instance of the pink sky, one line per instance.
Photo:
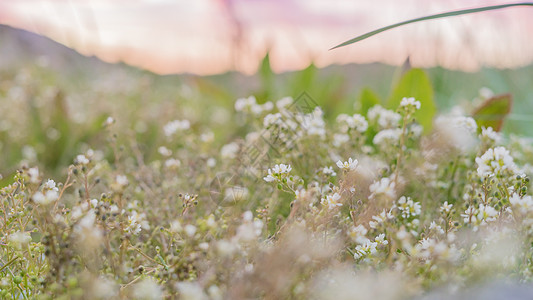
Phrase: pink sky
(213, 36)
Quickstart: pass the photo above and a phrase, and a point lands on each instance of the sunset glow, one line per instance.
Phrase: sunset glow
(213, 36)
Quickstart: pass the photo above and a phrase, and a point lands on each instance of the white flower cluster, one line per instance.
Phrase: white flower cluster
(48, 193)
(495, 161)
(278, 172)
(410, 102)
(313, 123)
(331, 201)
(356, 122)
(523, 204)
(249, 105)
(408, 208)
(385, 118)
(174, 126)
(481, 215)
(387, 138)
(380, 219)
(490, 135)
(369, 248)
(385, 187)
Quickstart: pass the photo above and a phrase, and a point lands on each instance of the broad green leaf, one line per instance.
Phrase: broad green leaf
(367, 99)
(415, 83)
(430, 17)
(267, 80)
(492, 112)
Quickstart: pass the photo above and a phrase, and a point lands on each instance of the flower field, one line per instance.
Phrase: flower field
(122, 187)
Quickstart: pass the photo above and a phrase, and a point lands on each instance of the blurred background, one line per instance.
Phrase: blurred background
(214, 36)
(67, 65)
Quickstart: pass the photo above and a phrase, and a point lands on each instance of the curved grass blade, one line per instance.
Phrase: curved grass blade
(430, 17)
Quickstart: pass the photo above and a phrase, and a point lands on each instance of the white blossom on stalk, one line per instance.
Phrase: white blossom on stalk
(349, 165)
(358, 234)
(229, 150)
(19, 239)
(380, 239)
(410, 102)
(329, 171)
(174, 126)
(384, 117)
(384, 187)
(366, 249)
(81, 160)
(387, 137)
(495, 161)
(34, 175)
(466, 122)
(278, 172)
(490, 134)
(523, 204)
(340, 139)
(331, 201)
(446, 207)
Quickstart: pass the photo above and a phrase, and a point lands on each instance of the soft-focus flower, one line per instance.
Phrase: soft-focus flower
(278, 172)
(174, 126)
(495, 161)
(384, 187)
(349, 165)
(331, 201)
(410, 102)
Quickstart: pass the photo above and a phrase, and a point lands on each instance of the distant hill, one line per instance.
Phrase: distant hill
(19, 47)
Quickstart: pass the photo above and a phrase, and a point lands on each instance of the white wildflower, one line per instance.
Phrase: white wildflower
(81, 160)
(172, 163)
(164, 151)
(174, 126)
(380, 239)
(349, 165)
(331, 201)
(340, 139)
(329, 171)
(524, 204)
(366, 249)
(19, 239)
(207, 137)
(229, 151)
(410, 102)
(385, 118)
(495, 161)
(384, 187)
(284, 102)
(408, 208)
(34, 175)
(358, 234)
(387, 137)
(466, 122)
(191, 291)
(491, 135)
(190, 230)
(278, 172)
(147, 289)
(446, 207)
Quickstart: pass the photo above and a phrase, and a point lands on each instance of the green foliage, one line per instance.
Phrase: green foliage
(367, 99)
(493, 111)
(415, 83)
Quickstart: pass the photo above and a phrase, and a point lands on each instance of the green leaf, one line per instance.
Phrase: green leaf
(415, 83)
(367, 99)
(493, 111)
(267, 80)
(430, 17)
